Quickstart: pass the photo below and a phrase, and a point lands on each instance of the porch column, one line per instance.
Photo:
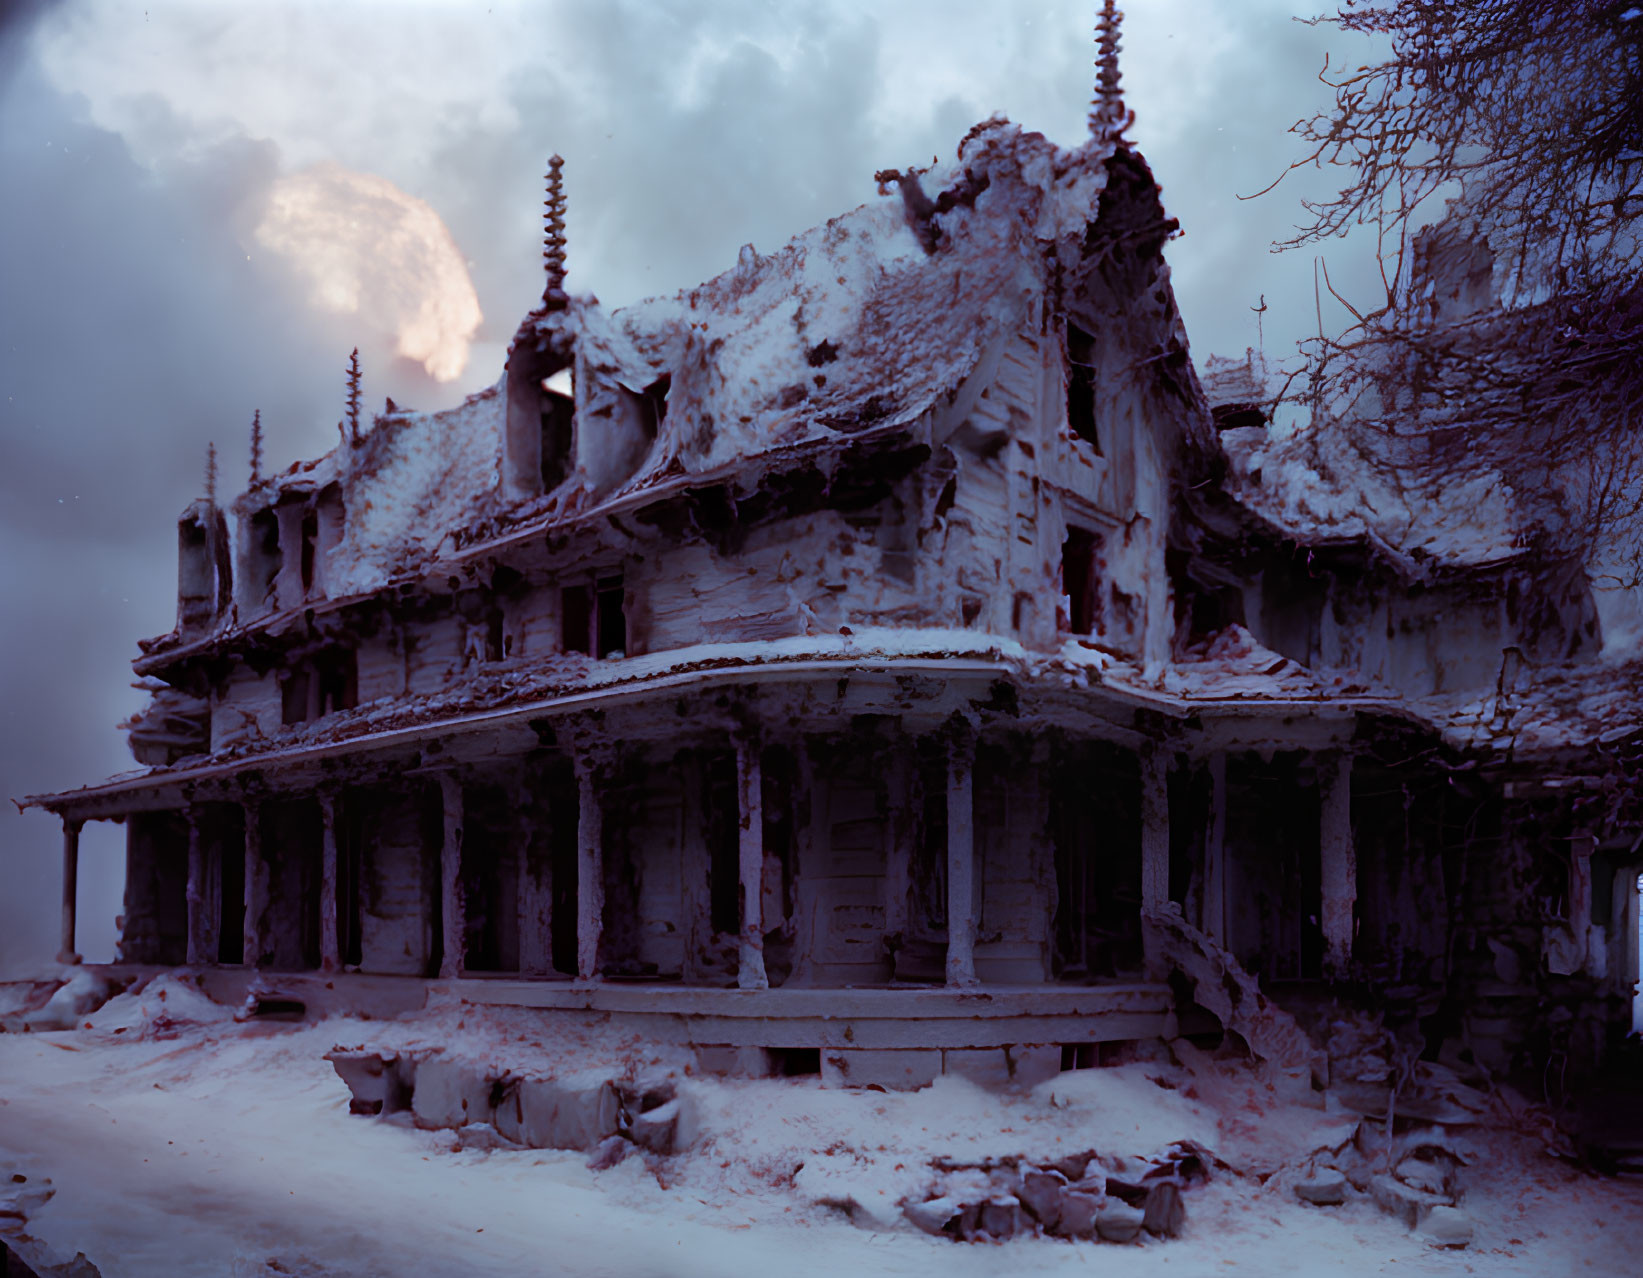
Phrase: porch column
(452, 908)
(750, 973)
(590, 865)
(1338, 860)
(1154, 830)
(256, 885)
(1214, 918)
(66, 952)
(329, 960)
(199, 912)
(961, 858)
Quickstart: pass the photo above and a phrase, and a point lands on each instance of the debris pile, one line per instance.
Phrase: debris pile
(1074, 1197)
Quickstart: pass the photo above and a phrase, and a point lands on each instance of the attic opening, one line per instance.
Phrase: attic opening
(1081, 378)
(1078, 580)
(557, 416)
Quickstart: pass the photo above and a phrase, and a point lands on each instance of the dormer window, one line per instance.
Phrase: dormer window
(1081, 377)
(557, 415)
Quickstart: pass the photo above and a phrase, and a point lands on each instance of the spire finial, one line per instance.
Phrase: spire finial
(553, 234)
(256, 448)
(1109, 117)
(211, 472)
(353, 396)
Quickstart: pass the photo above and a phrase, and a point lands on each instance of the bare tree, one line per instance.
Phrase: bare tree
(1521, 122)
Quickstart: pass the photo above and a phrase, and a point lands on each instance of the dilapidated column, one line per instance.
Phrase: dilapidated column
(961, 858)
(329, 960)
(750, 973)
(1338, 860)
(1154, 830)
(590, 865)
(1214, 918)
(66, 952)
(452, 908)
(200, 949)
(256, 884)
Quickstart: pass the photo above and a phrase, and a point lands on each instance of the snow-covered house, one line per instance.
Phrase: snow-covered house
(887, 656)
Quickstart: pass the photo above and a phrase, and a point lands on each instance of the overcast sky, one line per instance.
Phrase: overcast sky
(204, 207)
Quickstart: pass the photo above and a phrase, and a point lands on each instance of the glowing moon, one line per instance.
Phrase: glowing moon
(365, 247)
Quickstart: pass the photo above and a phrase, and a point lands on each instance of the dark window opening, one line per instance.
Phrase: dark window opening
(795, 1062)
(310, 548)
(576, 619)
(558, 413)
(1081, 385)
(1078, 563)
(613, 623)
(338, 680)
(320, 684)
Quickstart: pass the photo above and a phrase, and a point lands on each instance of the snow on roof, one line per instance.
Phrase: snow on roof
(1326, 483)
(852, 326)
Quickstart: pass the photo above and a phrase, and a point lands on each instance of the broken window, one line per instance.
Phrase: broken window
(1081, 385)
(593, 619)
(1078, 562)
(612, 639)
(576, 620)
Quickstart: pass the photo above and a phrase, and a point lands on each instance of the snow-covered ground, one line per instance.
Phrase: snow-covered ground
(177, 1142)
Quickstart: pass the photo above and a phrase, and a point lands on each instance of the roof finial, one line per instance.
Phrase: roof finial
(256, 448)
(1109, 117)
(353, 396)
(211, 473)
(553, 235)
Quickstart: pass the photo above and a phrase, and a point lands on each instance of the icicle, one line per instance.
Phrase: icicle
(1109, 117)
(553, 234)
(256, 448)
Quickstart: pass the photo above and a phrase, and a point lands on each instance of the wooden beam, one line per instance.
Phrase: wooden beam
(66, 952)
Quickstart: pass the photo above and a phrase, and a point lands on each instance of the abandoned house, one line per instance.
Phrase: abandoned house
(892, 655)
